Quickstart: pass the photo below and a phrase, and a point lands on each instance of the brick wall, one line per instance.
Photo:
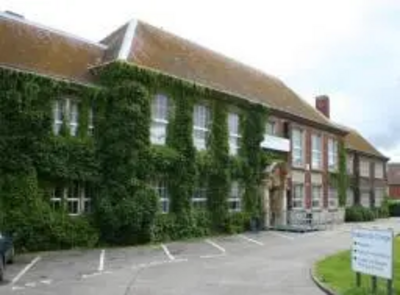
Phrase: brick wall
(394, 191)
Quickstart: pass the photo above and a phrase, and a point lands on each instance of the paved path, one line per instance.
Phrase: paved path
(265, 263)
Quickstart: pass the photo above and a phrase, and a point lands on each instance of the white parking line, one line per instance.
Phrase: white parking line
(101, 262)
(170, 256)
(251, 240)
(25, 270)
(216, 245)
(281, 235)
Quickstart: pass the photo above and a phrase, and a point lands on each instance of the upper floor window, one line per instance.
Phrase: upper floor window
(365, 168)
(332, 154)
(159, 119)
(201, 123)
(350, 163)
(66, 109)
(378, 170)
(234, 133)
(297, 147)
(270, 128)
(316, 151)
(90, 123)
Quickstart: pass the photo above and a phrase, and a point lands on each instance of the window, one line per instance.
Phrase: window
(298, 196)
(316, 196)
(73, 117)
(90, 123)
(199, 199)
(159, 116)
(234, 135)
(201, 123)
(58, 113)
(75, 198)
(332, 154)
(67, 107)
(316, 152)
(378, 170)
(332, 198)
(365, 198)
(379, 196)
(270, 128)
(162, 190)
(350, 164)
(365, 168)
(297, 147)
(234, 200)
(350, 197)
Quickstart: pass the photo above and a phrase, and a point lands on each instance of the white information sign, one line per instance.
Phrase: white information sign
(372, 252)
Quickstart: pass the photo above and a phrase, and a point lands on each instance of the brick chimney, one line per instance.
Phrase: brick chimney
(322, 105)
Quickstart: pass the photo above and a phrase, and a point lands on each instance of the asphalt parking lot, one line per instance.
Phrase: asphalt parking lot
(216, 265)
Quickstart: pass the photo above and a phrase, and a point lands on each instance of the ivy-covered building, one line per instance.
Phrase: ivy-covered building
(145, 135)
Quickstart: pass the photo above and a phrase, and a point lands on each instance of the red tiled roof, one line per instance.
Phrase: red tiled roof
(38, 49)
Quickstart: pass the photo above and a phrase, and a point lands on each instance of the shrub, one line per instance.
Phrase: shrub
(358, 214)
(394, 208)
(238, 222)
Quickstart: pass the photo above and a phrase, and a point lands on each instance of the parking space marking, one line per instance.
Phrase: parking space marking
(166, 251)
(208, 241)
(25, 270)
(251, 240)
(282, 235)
(101, 262)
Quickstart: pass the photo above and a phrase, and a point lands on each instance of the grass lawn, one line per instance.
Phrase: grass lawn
(335, 271)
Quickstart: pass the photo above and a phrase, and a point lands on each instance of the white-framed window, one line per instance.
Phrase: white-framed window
(201, 124)
(298, 196)
(90, 122)
(297, 147)
(378, 170)
(333, 201)
(379, 196)
(332, 154)
(235, 199)
(75, 198)
(350, 197)
(316, 196)
(316, 144)
(199, 199)
(161, 189)
(350, 163)
(234, 133)
(159, 119)
(365, 198)
(69, 108)
(58, 114)
(365, 168)
(270, 128)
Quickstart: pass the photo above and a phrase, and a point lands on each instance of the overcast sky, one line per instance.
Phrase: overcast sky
(347, 49)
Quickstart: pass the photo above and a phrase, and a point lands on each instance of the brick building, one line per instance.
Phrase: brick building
(394, 180)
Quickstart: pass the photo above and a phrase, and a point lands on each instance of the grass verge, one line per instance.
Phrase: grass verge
(335, 272)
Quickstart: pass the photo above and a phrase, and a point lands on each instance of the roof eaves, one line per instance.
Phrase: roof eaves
(126, 46)
(59, 32)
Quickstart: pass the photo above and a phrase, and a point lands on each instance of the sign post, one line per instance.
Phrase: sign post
(372, 254)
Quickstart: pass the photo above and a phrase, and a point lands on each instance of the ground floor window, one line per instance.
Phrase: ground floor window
(235, 200)
(298, 196)
(332, 198)
(365, 198)
(379, 196)
(350, 197)
(75, 198)
(162, 191)
(199, 199)
(316, 196)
